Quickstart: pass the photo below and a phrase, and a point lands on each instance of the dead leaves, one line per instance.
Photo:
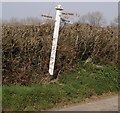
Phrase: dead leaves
(28, 47)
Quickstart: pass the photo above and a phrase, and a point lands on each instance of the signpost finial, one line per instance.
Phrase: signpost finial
(59, 7)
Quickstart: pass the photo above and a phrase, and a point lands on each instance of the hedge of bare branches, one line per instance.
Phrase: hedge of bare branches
(26, 50)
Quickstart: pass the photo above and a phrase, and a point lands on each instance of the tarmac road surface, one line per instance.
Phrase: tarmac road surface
(104, 104)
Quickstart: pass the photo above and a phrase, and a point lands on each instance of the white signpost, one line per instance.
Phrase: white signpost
(55, 39)
(58, 20)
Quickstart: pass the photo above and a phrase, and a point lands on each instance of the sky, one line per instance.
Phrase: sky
(22, 10)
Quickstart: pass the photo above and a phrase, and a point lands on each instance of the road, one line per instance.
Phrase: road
(104, 104)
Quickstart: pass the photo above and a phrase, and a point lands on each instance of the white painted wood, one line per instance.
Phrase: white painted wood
(55, 39)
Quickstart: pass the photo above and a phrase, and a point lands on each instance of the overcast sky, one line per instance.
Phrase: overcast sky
(22, 10)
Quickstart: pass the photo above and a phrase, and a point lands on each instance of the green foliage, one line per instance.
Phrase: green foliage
(85, 80)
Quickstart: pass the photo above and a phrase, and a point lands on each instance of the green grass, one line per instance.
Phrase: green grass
(83, 82)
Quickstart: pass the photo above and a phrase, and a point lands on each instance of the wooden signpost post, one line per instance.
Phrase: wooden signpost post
(58, 20)
(55, 39)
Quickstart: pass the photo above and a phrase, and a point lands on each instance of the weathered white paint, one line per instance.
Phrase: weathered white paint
(55, 39)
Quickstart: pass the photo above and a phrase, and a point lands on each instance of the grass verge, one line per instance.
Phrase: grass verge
(86, 80)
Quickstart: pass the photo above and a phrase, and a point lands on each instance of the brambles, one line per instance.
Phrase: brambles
(26, 50)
